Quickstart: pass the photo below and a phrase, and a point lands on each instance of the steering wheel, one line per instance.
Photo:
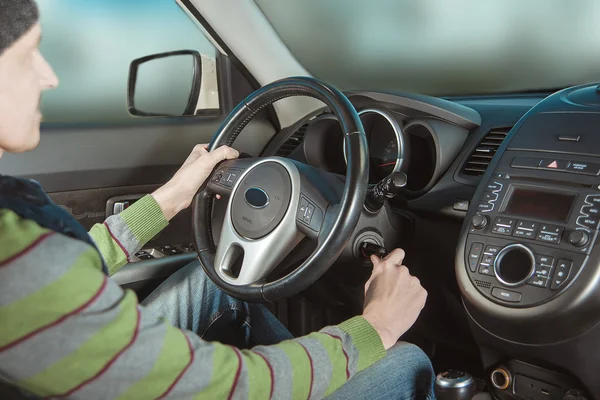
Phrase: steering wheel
(274, 202)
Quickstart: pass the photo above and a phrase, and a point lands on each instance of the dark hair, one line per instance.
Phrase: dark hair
(16, 18)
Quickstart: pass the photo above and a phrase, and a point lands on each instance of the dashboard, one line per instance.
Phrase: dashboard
(504, 197)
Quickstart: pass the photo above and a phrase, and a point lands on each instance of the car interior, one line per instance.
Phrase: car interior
(495, 198)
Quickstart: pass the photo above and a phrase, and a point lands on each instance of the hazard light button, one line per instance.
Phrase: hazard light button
(553, 164)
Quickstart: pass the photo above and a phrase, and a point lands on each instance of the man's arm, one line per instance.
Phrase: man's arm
(68, 330)
(124, 234)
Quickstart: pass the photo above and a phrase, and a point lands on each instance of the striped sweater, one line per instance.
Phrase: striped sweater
(68, 331)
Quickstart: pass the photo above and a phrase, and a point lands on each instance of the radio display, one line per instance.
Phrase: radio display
(551, 206)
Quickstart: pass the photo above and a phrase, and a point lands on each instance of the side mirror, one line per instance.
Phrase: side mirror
(165, 84)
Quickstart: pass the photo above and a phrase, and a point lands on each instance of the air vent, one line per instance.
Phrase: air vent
(482, 284)
(484, 152)
(293, 142)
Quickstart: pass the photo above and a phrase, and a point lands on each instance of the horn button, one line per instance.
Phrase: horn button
(261, 200)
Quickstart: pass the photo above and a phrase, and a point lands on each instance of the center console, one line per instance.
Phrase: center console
(531, 236)
(528, 260)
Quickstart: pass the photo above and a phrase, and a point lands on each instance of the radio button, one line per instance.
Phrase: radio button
(503, 226)
(553, 164)
(526, 229)
(475, 255)
(485, 269)
(550, 233)
(590, 210)
(497, 186)
(561, 274)
(588, 222)
(526, 162)
(489, 196)
(584, 168)
(543, 271)
(492, 250)
(487, 259)
(538, 281)
(506, 295)
(544, 237)
(485, 207)
(524, 234)
(544, 260)
(593, 199)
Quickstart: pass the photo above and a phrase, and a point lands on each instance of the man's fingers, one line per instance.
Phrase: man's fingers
(222, 153)
(198, 151)
(395, 257)
(202, 149)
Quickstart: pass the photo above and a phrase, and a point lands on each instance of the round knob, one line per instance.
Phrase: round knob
(454, 385)
(579, 238)
(479, 221)
(514, 265)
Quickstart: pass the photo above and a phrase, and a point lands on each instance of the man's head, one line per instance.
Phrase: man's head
(24, 74)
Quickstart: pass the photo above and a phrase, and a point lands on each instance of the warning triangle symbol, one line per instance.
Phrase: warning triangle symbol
(553, 164)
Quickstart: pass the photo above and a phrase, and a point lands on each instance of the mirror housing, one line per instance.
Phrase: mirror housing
(168, 87)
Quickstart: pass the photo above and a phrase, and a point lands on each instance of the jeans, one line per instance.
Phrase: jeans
(189, 300)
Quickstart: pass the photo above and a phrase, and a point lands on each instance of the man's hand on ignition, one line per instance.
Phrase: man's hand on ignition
(393, 298)
(177, 194)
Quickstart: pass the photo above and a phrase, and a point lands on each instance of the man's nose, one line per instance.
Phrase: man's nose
(48, 78)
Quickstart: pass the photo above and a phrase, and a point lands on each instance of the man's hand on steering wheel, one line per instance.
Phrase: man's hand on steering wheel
(177, 193)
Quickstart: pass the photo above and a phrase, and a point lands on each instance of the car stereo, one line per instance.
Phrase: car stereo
(532, 233)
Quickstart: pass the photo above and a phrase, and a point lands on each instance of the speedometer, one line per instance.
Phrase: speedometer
(386, 143)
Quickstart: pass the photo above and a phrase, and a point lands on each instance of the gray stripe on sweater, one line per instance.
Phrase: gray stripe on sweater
(36, 354)
(282, 370)
(131, 366)
(40, 266)
(351, 350)
(199, 374)
(120, 230)
(242, 388)
(322, 366)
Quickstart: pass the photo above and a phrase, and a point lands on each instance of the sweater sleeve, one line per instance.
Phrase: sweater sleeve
(124, 234)
(72, 332)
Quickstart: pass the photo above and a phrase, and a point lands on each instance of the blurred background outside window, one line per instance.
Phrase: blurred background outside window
(90, 44)
(443, 47)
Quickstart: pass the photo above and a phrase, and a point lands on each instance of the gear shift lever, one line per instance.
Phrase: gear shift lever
(454, 385)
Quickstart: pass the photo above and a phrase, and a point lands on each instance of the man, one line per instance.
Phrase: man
(67, 330)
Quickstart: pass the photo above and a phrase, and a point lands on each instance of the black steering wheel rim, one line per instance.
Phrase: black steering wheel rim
(349, 208)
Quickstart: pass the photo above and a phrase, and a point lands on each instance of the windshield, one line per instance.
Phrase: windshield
(442, 47)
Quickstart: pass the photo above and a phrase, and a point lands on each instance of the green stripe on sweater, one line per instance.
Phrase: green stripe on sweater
(224, 368)
(145, 218)
(11, 244)
(365, 339)
(258, 376)
(62, 296)
(85, 362)
(174, 357)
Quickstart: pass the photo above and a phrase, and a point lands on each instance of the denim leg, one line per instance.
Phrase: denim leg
(190, 300)
(404, 373)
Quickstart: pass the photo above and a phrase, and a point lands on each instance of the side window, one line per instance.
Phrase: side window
(90, 44)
